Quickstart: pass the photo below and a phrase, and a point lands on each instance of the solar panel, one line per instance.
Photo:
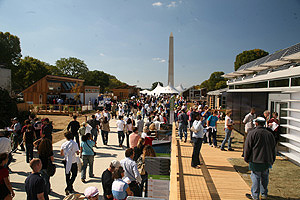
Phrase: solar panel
(263, 60)
(277, 55)
(293, 49)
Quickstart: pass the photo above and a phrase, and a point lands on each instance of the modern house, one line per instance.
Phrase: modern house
(125, 92)
(270, 83)
(50, 87)
(195, 94)
(217, 99)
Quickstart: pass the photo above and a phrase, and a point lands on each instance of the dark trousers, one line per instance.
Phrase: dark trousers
(70, 177)
(212, 134)
(121, 137)
(76, 136)
(104, 135)
(144, 184)
(135, 188)
(196, 151)
(29, 152)
(127, 138)
(18, 140)
(9, 160)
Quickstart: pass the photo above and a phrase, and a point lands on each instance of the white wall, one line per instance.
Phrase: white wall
(5, 79)
(295, 105)
(90, 97)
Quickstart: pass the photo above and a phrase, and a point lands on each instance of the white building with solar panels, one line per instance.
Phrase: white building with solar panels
(270, 83)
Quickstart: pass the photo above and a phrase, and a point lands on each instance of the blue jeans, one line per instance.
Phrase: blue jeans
(260, 182)
(94, 132)
(182, 129)
(87, 159)
(227, 138)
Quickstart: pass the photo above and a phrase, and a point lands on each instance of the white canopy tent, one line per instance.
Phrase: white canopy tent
(169, 90)
(180, 88)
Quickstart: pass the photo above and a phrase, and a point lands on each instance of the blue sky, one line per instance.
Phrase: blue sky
(129, 38)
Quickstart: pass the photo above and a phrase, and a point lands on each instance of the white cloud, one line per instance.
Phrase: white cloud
(101, 54)
(157, 4)
(156, 59)
(172, 4)
(160, 60)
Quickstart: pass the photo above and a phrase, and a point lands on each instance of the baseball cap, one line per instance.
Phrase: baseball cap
(115, 163)
(91, 192)
(260, 119)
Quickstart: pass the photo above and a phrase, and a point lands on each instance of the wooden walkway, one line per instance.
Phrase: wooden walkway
(217, 179)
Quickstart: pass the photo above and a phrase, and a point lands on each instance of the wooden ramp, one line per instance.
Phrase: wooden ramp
(217, 179)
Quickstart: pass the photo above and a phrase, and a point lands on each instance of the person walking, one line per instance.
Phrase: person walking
(132, 172)
(212, 129)
(259, 152)
(140, 124)
(134, 138)
(120, 128)
(45, 151)
(6, 191)
(107, 179)
(249, 124)
(183, 122)
(87, 154)
(128, 130)
(192, 116)
(197, 140)
(17, 135)
(73, 127)
(120, 188)
(28, 138)
(147, 152)
(69, 149)
(34, 183)
(94, 123)
(47, 128)
(228, 130)
(105, 129)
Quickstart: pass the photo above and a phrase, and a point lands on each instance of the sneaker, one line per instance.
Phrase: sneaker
(83, 180)
(263, 197)
(230, 149)
(67, 192)
(222, 149)
(249, 196)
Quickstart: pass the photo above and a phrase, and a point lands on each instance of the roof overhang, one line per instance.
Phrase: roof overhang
(275, 63)
(293, 58)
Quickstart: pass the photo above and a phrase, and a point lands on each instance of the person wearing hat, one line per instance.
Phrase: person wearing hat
(259, 152)
(91, 193)
(107, 179)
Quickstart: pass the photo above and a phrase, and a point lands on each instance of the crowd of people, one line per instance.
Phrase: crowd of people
(137, 122)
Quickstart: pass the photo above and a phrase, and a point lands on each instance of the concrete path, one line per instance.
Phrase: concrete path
(20, 169)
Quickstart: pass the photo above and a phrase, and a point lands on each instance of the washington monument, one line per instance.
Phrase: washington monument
(171, 61)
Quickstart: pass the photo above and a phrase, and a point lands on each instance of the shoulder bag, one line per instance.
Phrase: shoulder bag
(91, 148)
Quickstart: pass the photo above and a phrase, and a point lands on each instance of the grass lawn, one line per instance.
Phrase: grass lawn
(284, 181)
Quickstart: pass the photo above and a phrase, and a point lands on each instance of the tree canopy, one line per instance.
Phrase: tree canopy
(72, 67)
(248, 56)
(97, 78)
(29, 71)
(215, 82)
(154, 85)
(10, 50)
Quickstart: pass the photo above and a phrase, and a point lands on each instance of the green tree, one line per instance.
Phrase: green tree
(73, 67)
(97, 78)
(8, 108)
(10, 50)
(248, 56)
(215, 82)
(29, 71)
(154, 85)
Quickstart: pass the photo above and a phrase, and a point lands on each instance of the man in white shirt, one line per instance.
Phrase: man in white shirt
(249, 124)
(69, 149)
(140, 124)
(5, 145)
(120, 128)
(131, 172)
(98, 115)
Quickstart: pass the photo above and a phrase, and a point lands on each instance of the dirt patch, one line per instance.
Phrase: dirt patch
(60, 124)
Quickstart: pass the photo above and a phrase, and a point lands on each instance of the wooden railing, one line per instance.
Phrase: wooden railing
(50, 108)
(174, 166)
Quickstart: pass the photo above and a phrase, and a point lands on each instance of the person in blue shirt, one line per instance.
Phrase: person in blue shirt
(87, 153)
(120, 189)
(212, 129)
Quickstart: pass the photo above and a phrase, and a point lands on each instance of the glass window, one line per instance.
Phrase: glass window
(252, 85)
(279, 83)
(231, 87)
(296, 81)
